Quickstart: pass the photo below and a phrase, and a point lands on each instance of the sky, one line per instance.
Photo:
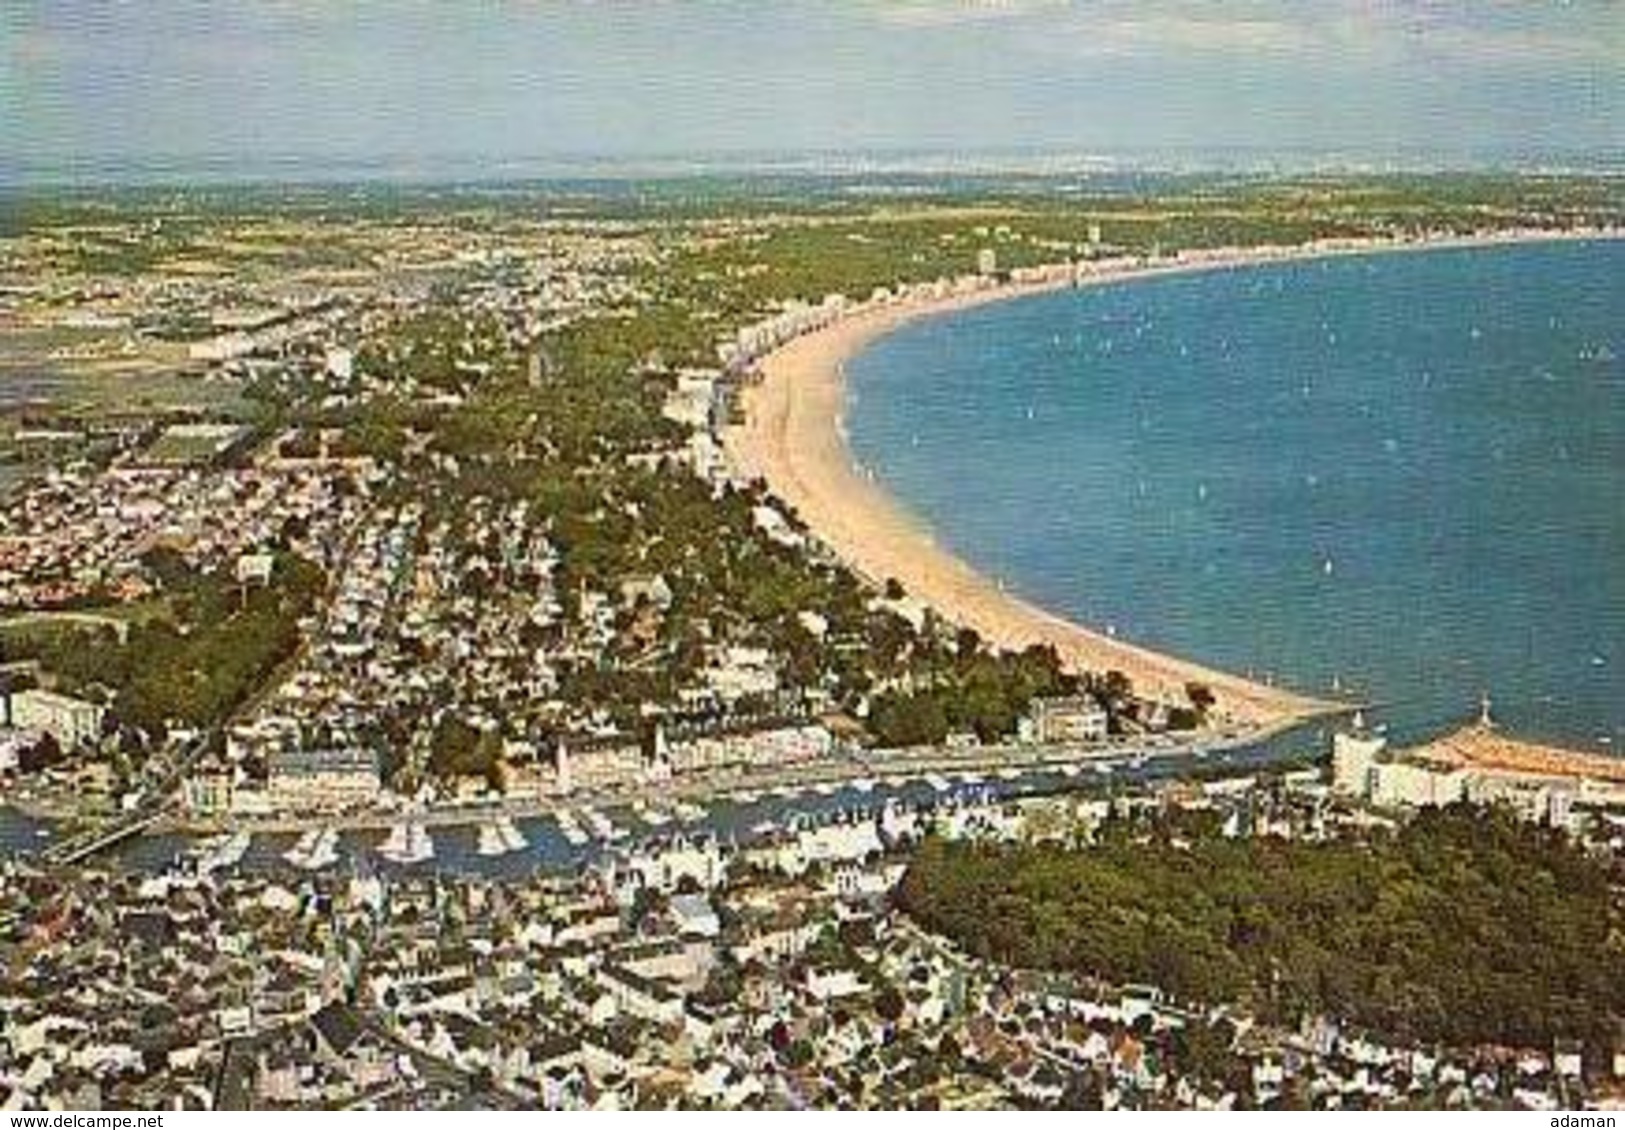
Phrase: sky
(97, 81)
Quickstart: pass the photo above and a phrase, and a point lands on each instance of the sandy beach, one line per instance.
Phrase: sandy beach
(793, 438)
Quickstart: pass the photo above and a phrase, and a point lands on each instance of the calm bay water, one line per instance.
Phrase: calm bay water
(1402, 472)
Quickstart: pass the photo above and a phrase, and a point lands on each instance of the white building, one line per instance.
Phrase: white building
(305, 780)
(1411, 784)
(1353, 756)
(69, 720)
(1062, 721)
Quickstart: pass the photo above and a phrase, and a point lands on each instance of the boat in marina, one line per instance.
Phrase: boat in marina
(407, 843)
(222, 852)
(652, 815)
(231, 853)
(600, 826)
(510, 835)
(1105, 768)
(864, 784)
(824, 788)
(315, 850)
(488, 843)
(938, 782)
(300, 851)
(569, 828)
(688, 812)
(595, 823)
(1009, 774)
(972, 778)
(1071, 769)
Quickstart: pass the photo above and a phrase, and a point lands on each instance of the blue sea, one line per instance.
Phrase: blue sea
(1402, 474)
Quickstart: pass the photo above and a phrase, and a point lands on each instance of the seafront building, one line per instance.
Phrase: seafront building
(70, 721)
(1477, 765)
(310, 780)
(1077, 719)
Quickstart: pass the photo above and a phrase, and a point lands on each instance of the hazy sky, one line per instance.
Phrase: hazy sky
(330, 79)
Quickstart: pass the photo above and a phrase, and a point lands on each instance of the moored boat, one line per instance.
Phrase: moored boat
(488, 843)
(408, 843)
(510, 835)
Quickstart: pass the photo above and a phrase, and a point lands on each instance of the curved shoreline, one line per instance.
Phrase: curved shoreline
(793, 438)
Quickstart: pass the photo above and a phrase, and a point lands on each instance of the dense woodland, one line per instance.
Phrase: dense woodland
(1464, 927)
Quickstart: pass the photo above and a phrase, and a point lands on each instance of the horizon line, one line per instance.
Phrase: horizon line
(472, 168)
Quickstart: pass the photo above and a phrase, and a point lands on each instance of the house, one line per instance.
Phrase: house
(255, 568)
(638, 996)
(1065, 720)
(650, 589)
(208, 791)
(694, 916)
(337, 1027)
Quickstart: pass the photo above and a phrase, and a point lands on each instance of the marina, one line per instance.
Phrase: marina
(586, 832)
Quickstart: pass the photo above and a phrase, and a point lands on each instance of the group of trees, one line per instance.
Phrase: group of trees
(198, 659)
(1464, 927)
(978, 692)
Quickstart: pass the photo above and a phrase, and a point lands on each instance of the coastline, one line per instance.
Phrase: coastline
(793, 438)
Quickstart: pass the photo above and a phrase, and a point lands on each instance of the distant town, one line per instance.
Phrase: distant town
(343, 524)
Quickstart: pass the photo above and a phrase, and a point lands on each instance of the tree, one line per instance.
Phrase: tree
(967, 642)
(41, 755)
(1349, 928)
(455, 749)
(1201, 697)
(889, 1004)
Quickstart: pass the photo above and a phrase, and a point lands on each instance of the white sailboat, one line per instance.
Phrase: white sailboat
(231, 854)
(488, 843)
(315, 850)
(408, 843)
(327, 850)
(393, 844)
(299, 854)
(688, 812)
(221, 852)
(600, 826)
(510, 835)
(569, 828)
